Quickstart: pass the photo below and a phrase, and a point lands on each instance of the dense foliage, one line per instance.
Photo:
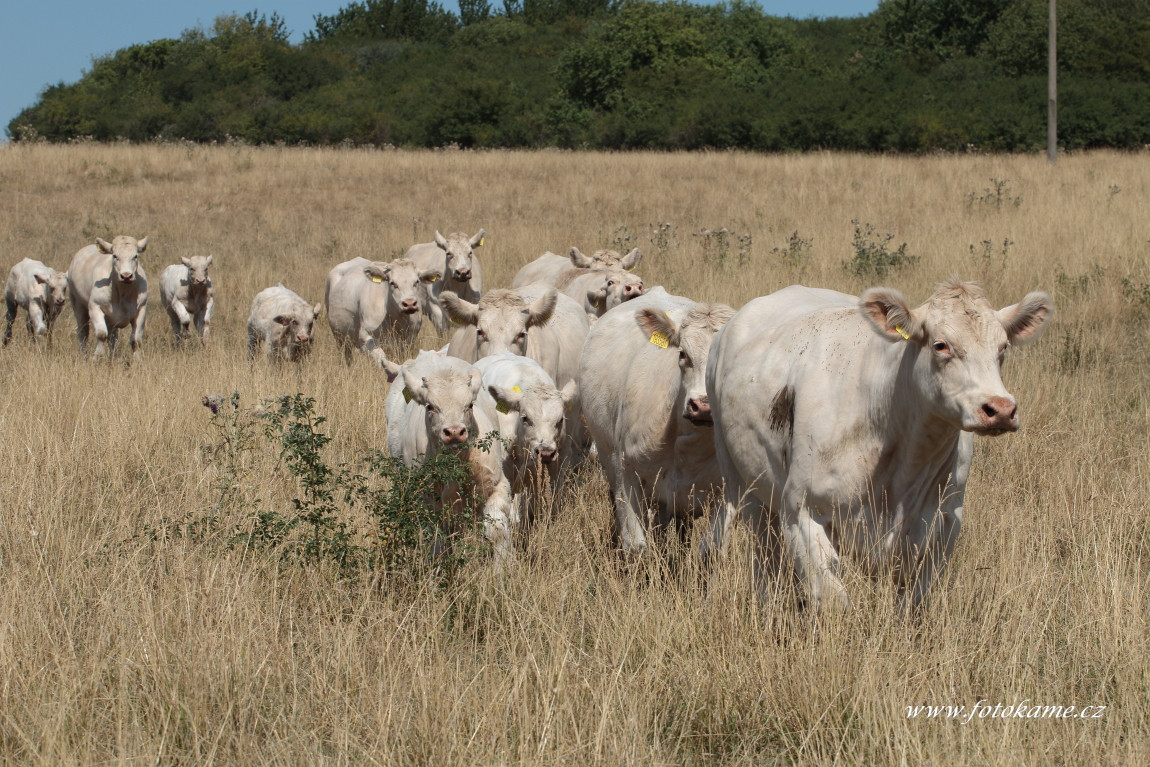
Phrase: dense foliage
(915, 75)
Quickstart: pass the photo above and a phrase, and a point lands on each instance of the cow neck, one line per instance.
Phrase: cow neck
(915, 439)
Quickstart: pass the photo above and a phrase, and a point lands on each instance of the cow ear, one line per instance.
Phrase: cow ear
(578, 260)
(631, 260)
(440, 240)
(659, 327)
(141, 244)
(282, 319)
(414, 388)
(40, 278)
(390, 369)
(505, 399)
(375, 274)
(569, 392)
(888, 312)
(186, 261)
(208, 262)
(1025, 320)
(539, 313)
(477, 240)
(597, 298)
(459, 311)
(103, 245)
(431, 276)
(317, 310)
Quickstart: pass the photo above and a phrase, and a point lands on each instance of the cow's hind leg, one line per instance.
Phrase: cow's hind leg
(10, 316)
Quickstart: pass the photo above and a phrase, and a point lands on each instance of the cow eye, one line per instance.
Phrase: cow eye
(942, 347)
(683, 358)
(526, 420)
(469, 407)
(520, 338)
(480, 334)
(432, 409)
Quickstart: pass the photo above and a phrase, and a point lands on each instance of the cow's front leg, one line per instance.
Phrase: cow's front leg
(99, 325)
(138, 331)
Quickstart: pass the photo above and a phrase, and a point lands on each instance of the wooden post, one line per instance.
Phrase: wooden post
(1052, 90)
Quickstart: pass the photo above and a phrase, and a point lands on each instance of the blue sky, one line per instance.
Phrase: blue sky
(43, 42)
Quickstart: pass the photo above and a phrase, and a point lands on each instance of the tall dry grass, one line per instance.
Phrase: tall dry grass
(118, 649)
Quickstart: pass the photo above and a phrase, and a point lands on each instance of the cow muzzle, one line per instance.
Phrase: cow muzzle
(127, 277)
(547, 454)
(453, 435)
(461, 275)
(409, 306)
(997, 415)
(699, 411)
(632, 291)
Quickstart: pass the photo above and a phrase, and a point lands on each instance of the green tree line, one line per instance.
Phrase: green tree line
(913, 76)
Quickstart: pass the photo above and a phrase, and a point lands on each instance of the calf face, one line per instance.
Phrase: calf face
(406, 292)
(295, 330)
(618, 286)
(692, 339)
(54, 291)
(197, 270)
(502, 318)
(448, 399)
(542, 416)
(460, 251)
(125, 252)
(960, 342)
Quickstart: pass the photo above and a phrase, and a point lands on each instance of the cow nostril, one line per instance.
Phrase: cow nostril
(989, 410)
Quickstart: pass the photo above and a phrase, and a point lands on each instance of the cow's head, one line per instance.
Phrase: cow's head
(404, 283)
(197, 270)
(125, 252)
(542, 414)
(616, 287)
(960, 342)
(448, 400)
(604, 259)
(53, 291)
(691, 338)
(502, 318)
(297, 329)
(460, 251)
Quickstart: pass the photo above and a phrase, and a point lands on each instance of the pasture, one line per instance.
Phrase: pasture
(119, 649)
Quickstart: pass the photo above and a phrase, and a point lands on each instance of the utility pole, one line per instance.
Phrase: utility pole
(1052, 90)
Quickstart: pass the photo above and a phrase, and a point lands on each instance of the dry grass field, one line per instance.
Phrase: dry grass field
(119, 649)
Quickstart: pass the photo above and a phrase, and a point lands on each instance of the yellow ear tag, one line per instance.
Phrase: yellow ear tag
(659, 338)
(901, 332)
(433, 278)
(456, 321)
(406, 394)
(481, 242)
(502, 407)
(376, 278)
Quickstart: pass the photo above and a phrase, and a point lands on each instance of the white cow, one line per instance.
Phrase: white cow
(845, 424)
(432, 407)
(109, 290)
(368, 300)
(186, 292)
(644, 398)
(41, 291)
(534, 321)
(522, 400)
(283, 322)
(548, 267)
(454, 257)
(599, 290)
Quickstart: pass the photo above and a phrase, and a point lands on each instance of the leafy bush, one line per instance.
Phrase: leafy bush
(873, 256)
(384, 520)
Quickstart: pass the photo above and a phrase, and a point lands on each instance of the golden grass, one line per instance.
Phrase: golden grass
(115, 649)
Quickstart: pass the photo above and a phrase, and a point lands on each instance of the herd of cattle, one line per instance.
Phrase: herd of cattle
(828, 423)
